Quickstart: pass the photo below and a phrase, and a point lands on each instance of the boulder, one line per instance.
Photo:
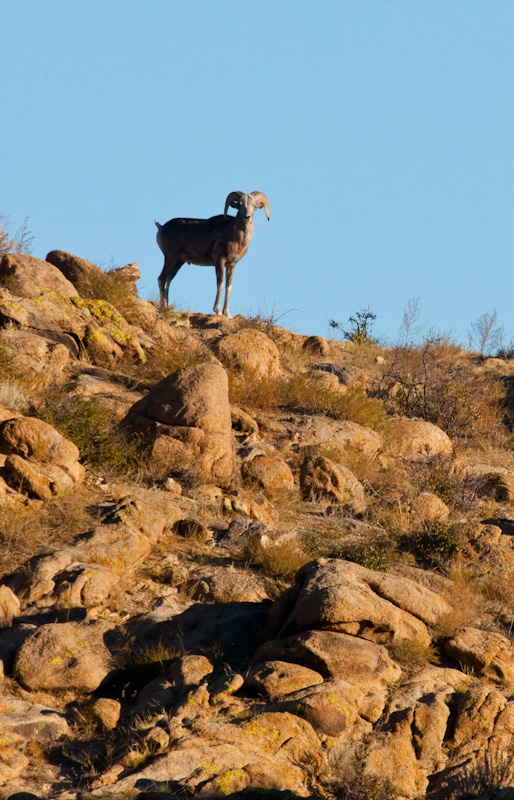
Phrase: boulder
(33, 358)
(185, 421)
(337, 595)
(190, 670)
(224, 584)
(492, 481)
(26, 276)
(430, 507)
(77, 322)
(264, 753)
(486, 652)
(342, 438)
(323, 479)
(392, 754)
(36, 440)
(413, 742)
(39, 460)
(26, 479)
(441, 733)
(78, 271)
(415, 439)
(316, 345)
(107, 712)
(336, 708)
(248, 352)
(67, 656)
(278, 678)
(32, 721)
(267, 472)
(335, 656)
(9, 607)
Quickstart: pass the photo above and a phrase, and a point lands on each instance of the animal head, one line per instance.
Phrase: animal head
(247, 204)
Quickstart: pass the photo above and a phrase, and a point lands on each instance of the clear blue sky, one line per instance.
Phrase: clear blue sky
(382, 132)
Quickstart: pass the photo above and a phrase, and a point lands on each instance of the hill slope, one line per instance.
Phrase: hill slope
(237, 559)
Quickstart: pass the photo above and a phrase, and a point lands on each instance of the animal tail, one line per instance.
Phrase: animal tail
(158, 223)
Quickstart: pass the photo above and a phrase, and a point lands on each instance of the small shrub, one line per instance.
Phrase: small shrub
(280, 558)
(160, 362)
(25, 531)
(434, 543)
(94, 430)
(506, 353)
(252, 392)
(157, 653)
(360, 328)
(379, 557)
(112, 286)
(12, 394)
(264, 321)
(440, 476)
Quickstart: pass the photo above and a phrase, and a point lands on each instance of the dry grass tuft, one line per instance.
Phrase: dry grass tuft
(114, 287)
(161, 361)
(27, 530)
(413, 654)
(303, 394)
(280, 558)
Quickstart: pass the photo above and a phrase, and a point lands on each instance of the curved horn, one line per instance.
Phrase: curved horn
(232, 200)
(263, 201)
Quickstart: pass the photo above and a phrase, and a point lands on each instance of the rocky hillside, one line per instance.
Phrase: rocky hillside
(239, 561)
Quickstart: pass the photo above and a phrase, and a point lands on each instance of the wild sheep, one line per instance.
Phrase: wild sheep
(219, 241)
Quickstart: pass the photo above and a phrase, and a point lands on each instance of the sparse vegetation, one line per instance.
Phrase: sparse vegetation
(485, 334)
(360, 328)
(21, 242)
(347, 778)
(413, 654)
(175, 574)
(484, 775)
(26, 531)
(435, 543)
(302, 393)
(92, 427)
(112, 285)
(437, 382)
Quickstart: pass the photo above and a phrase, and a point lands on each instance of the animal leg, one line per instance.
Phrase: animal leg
(229, 273)
(220, 267)
(169, 271)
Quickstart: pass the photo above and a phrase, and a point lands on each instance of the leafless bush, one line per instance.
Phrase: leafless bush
(21, 242)
(436, 382)
(485, 334)
(409, 329)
